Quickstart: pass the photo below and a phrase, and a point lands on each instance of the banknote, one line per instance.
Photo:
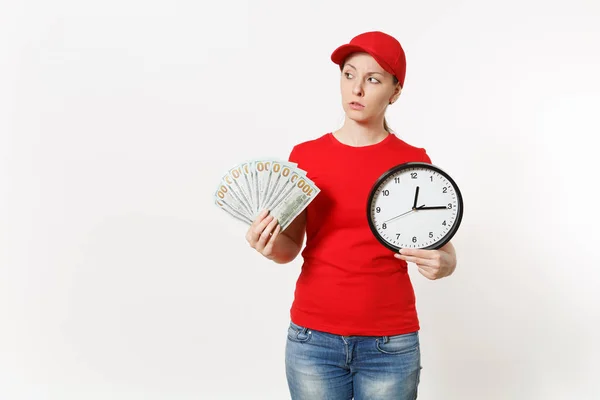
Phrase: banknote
(254, 185)
(295, 200)
(227, 199)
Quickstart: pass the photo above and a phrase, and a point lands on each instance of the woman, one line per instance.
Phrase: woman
(354, 326)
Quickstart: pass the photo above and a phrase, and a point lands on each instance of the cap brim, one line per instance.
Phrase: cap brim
(341, 53)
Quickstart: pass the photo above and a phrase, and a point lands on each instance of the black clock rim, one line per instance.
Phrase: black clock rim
(395, 170)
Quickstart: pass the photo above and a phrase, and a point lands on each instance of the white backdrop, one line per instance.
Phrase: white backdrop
(120, 278)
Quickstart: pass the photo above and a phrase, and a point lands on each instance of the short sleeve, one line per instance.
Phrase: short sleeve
(425, 156)
(293, 157)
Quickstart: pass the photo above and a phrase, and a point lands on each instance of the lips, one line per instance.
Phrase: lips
(355, 105)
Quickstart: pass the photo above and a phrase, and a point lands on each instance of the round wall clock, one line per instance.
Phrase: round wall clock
(415, 205)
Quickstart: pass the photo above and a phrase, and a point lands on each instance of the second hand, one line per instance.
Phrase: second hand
(409, 211)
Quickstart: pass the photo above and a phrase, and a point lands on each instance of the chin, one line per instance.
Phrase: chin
(356, 117)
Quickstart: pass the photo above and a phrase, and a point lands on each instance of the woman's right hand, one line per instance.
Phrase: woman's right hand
(263, 232)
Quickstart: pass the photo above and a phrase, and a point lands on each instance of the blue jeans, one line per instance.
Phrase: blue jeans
(324, 366)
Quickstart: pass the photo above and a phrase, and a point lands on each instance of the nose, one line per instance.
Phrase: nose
(357, 89)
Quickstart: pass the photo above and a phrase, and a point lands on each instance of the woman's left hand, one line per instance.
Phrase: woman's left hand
(432, 264)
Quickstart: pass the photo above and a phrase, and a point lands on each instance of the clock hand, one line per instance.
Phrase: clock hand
(398, 216)
(433, 208)
(409, 211)
(416, 196)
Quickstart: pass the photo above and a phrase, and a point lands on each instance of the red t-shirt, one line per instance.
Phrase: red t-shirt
(350, 284)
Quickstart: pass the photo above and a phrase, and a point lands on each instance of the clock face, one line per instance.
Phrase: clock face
(415, 205)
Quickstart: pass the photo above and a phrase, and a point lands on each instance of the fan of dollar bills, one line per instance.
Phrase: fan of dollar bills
(278, 186)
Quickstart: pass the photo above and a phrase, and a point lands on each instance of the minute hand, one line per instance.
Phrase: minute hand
(433, 208)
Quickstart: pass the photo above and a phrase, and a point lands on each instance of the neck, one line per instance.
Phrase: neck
(357, 134)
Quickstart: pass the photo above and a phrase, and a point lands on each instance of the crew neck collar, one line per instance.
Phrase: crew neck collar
(337, 143)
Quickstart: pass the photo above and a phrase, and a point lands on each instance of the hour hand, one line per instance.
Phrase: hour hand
(433, 208)
(416, 197)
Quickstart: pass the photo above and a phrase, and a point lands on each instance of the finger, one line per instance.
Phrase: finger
(427, 274)
(251, 235)
(259, 228)
(420, 253)
(266, 234)
(269, 246)
(417, 260)
(260, 217)
(432, 271)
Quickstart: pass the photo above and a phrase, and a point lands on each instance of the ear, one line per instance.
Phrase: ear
(397, 92)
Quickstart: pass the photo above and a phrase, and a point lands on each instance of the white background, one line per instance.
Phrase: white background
(120, 278)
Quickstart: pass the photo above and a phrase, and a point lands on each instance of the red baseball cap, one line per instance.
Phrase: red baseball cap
(385, 49)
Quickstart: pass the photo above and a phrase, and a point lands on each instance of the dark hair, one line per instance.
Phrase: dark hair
(385, 124)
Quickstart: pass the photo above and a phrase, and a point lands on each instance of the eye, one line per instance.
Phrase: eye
(374, 80)
(348, 75)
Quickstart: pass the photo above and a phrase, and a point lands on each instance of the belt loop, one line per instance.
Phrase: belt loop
(386, 339)
(302, 333)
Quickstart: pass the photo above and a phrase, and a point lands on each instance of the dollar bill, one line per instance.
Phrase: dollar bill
(295, 201)
(246, 169)
(280, 173)
(225, 207)
(287, 185)
(234, 181)
(254, 185)
(225, 195)
(264, 171)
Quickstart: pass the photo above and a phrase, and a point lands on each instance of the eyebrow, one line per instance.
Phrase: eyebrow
(369, 73)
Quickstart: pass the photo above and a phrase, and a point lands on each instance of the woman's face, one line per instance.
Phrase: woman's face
(367, 89)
